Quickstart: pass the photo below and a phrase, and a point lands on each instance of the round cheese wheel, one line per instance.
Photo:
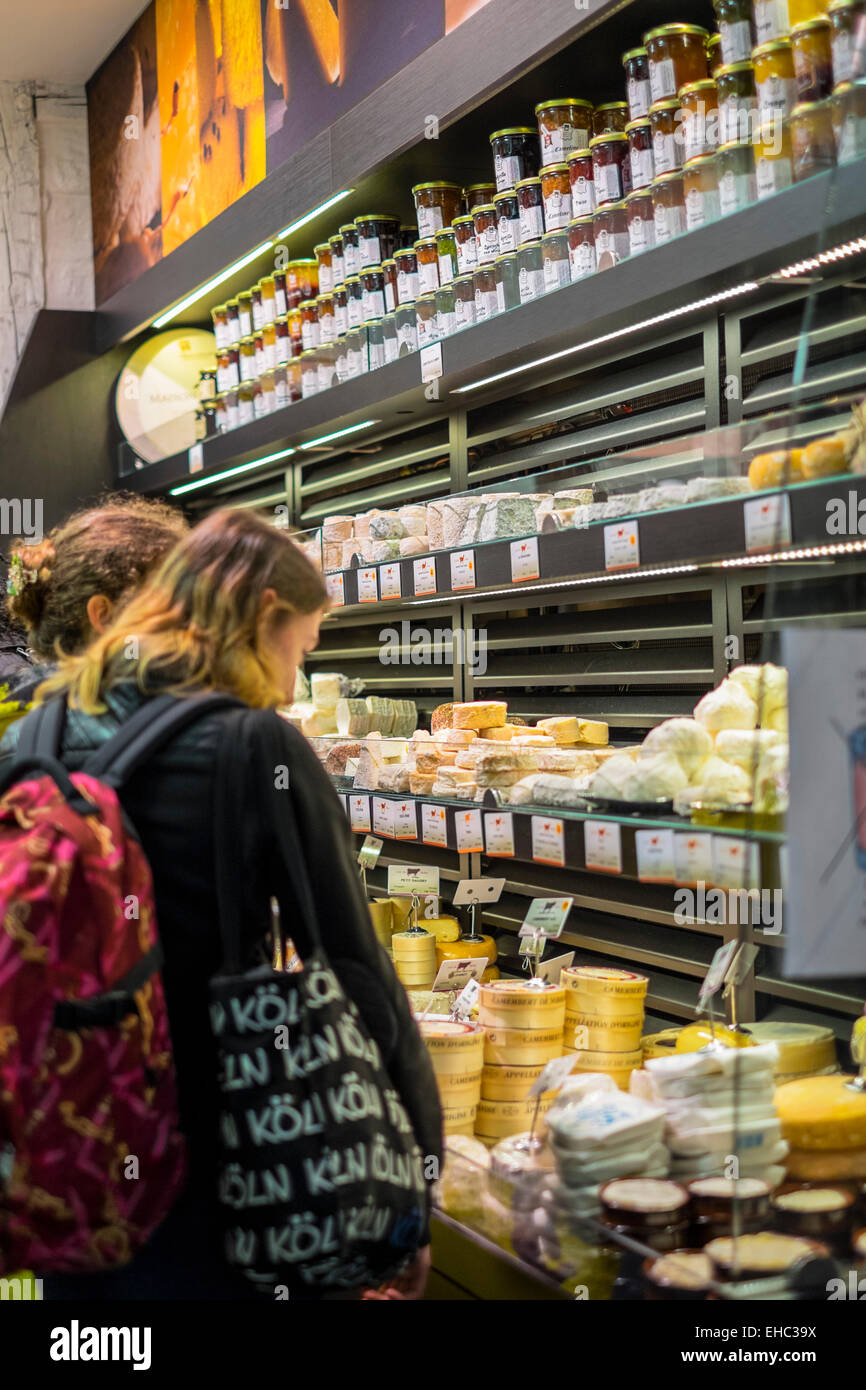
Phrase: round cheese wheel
(509, 1083)
(603, 1035)
(505, 1047)
(804, 1048)
(456, 1089)
(466, 948)
(499, 1118)
(600, 980)
(455, 1048)
(417, 947)
(661, 1044)
(445, 929)
(826, 1165)
(521, 1004)
(580, 1001)
(822, 1112)
(698, 1035)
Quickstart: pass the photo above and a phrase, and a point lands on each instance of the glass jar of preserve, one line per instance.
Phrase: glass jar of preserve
(665, 120)
(389, 337)
(437, 204)
(256, 297)
(354, 302)
(200, 424)
(554, 259)
(464, 301)
(351, 250)
(563, 126)
(556, 196)
(507, 220)
(773, 167)
(530, 272)
(516, 155)
(610, 234)
(531, 205)
(269, 393)
(354, 365)
(293, 377)
(641, 224)
(477, 193)
(427, 261)
(813, 60)
(338, 267)
(847, 18)
(296, 331)
(207, 384)
(309, 372)
(637, 83)
(246, 360)
(738, 101)
(408, 236)
(259, 340)
(269, 300)
(582, 183)
(484, 285)
(700, 119)
(246, 410)
(770, 20)
(408, 285)
(375, 343)
(735, 169)
(446, 316)
(669, 207)
(372, 292)
(850, 102)
(581, 247)
(407, 329)
(322, 254)
(677, 54)
(341, 311)
(220, 415)
(735, 29)
(446, 254)
(220, 318)
(282, 340)
(467, 250)
(303, 276)
(506, 273)
(389, 272)
(269, 343)
(714, 54)
(701, 187)
(234, 322)
(326, 358)
(425, 318)
(486, 233)
(282, 393)
(379, 237)
(327, 318)
(813, 141)
(611, 175)
(640, 153)
(281, 300)
(310, 336)
(774, 80)
(259, 401)
(245, 313)
(610, 118)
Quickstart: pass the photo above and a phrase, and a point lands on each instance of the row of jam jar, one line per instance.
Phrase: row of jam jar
(271, 299)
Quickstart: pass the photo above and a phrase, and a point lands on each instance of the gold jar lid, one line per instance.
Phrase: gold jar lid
(608, 135)
(405, 251)
(246, 296)
(839, 6)
(442, 232)
(322, 246)
(348, 227)
(638, 124)
(307, 304)
(369, 270)
(702, 86)
(559, 168)
(670, 177)
(585, 221)
(633, 53)
(713, 41)
(534, 244)
(805, 108)
(507, 193)
(665, 31)
(810, 26)
(428, 297)
(370, 323)
(464, 220)
(506, 256)
(435, 183)
(231, 303)
(376, 217)
(630, 198)
(558, 102)
(389, 261)
(427, 241)
(308, 352)
(554, 232)
(699, 160)
(609, 207)
(304, 260)
(612, 106)
(351, 280)
(666, 104)
(526, 183)
(248, 340)
(328, 294)
(474, 187)
(745, 66)
(578, 154)
(514, 130)
(774, 46)
(461, 280)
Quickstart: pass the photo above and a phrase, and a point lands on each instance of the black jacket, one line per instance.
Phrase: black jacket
(170, 804)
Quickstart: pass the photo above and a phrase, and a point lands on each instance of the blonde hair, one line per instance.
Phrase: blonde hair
(198, 623)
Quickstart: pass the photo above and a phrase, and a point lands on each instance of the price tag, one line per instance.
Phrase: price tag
(431, 362)
(412, 880)
(336, 589)
(524, 560)
(389, 581)
(196, 458)
(424, 571)
(383, 816)
(716, 973)
(499, 834)
(467, 827)
(368, 586)
(735, 862)
(655, 855)
(621, 546)
(548, 841)
(546, 917)
(453, 974)
(368, 854)
(345, 801)
(550, 970)
(693, 858)
(767, 521)
(478, 890)
(552, 1075)
(405, 820)
(602, 845)
(463, 569)
(359, 812)
(741, 965)
(434, 828)
(466, 1000)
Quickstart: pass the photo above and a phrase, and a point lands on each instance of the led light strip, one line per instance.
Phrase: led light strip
(316, 212)
(211, 285)
(339, 434)
(230, 472)
(838, 253)
(812, 552)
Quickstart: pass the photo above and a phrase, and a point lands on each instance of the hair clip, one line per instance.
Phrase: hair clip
(19, 577)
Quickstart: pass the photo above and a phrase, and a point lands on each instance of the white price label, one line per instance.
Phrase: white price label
(553, 1075)
(463, 569)
(548, 841)
(405, 820)
(412, 880)
(767, 521)
(425, 575)
(693, 858)
(368, 586)
(336, 589)
(735, 862)
(655, 855)
(478, 890)
(466, 1000)
(453, 974)
(389, 581)
(196, 458)
(359, 812)
(546, 917)
(368, 854)
(550, 970)
(467, 828)
(524, 560)
(499, 834)
(383, 816)
(434, 827)
(621, 546)
(716, 973)
(431, 362)
(602, 846)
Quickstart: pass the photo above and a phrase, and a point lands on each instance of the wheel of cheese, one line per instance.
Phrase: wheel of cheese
(826, 1165)
(518, 1047)
(445, 929)
(491, 973)
(459, 1119)
(581, 1001)
(383, 921)
(521, 1004)
(496, 1119)
(804, 1048)
(697, 1035)
(605, 982)
(412, 978)
(455, 1048)
(822, 1112)
(590, 1032)
(659, 1044)
(466, 948)
(617, 1065)
(417, 948)
(456, 1089)
(509, 1083)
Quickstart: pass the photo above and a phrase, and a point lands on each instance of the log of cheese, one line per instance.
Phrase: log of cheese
(479, 714)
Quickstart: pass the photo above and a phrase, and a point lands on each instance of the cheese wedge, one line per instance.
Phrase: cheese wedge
(480, 714)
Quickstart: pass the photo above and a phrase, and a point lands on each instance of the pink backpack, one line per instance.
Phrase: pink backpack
(91, 1156)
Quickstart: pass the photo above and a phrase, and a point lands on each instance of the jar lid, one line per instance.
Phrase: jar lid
(389, 261)
(465, 219)
(514, 130)
(376, 217)
(555, 232)
(407, 250)
(701, 86)
(369, 323)
(612, 106)
(699, 159)
(670, 177)
(257, 289)
(556, 103)
(284, 318)
(350, 280)
(578, 154)
(219, 308)
(609, 207)
(232, 304)
(245, 294)
(308, 352)
(474, 187)
(713, 41)
(348, 227)
(631, 198)
(533, 244)
(336, 237)
(370, 270)
(634, 53)
(428, 297)
(746, 66)
(837, 6)
(561, 168)
(506, 256)
(307, 304)
(666, 104)
(526, 183)
(304, 260)
(443, 232)
(322, 246)
(638, 124)
(608, 135)
(734, 145)
(426, 241)
(810, 26)
(249, 339)
(581, 221)
(328, 294)
(665, 31)
(774, 46)
(461, 280)
(508, 193)
(339, 289)
(435, 183)
(803, 107)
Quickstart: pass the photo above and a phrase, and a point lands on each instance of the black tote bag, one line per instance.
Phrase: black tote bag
(321, 1179)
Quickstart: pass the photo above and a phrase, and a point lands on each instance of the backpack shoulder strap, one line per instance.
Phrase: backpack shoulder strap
(42, 730)
(149, 729)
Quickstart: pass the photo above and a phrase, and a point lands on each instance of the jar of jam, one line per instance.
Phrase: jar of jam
(407, 329)
(610, 234)
(612, 117)
(850, 102)
(554, 259)
(677, 55)
(773, 166)
(581, 247)
(389, 337)
(309, 372)
(282, 340)
(714, 54)
(640, 153)
(375, 342)
(681, 1276)
(700, 119)
(323, 260)
(425, 318)
(516, 156)
(564, 125)
(221, 420)
(389, 272)
(484, 289)
(813, 60)
(207, 384)
(701, 187)
(310, 336)
(464, 301)
(342, 360)
(813, 141)
(220, 319)
(282, 393)
(823, 1211)
(303, 277)
(256, 296)
(372, 293)
(847, 20)
(530, 272)
(356, 361)
(281, 301)
(507, 220)
(327, 318)
(338, 268)
(269, 345)
(738, 102)
(774, 80)
(477, 193)
(354, 302)
(437, 204)
(669, 207)
(408, 284)
(486, 233)
(269, 300)
(556, 196)
(665, 120)
(654, 1211)
(200, 424)
(446, 254)
(246, 360)
(640, 218)
(269, 394)
(531, 205)
(735, 169)
(637, 83)
(379, 237)
(341, 311)
(246, 409)
(467, 250)
(582, 184)
(770, 20)
(427, 260)
(351, 250)
(735, 29)
(408, 236)
(259, 341)
(245, 313)
(296, 331)
(446, 318)
(611, 174)
(234, 322)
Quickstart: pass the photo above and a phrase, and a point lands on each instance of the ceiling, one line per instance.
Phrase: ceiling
(61, 40)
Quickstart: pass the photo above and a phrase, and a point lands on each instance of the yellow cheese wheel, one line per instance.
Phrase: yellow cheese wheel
(509, 1083)
(822, 1112)
(698, 1035)
(499, 1118)
(602, 1034)
(424, 1001)
(411, 977)
(507, 1047)
(417, 947)
(383, 920)
(804, 1048)
(491, 973)
(458, 1119)
(607, 982)
(520, 1004)
(456, 1090)
(445, 929)
(465, 948)
(659, 1044)
(617, 1065)
(826, 1165)
(455, 1048)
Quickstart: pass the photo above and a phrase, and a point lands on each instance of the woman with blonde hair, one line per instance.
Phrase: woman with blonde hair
(233, 609)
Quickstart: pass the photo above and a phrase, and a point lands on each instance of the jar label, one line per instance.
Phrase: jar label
(531, 283)
(281, 391)
(583, 197)
(446, 322)
(464, 311)
(702, 207)
(391, 347)
(771, 19)
(428, 276)
(669, 223)
(509, 234)
(508, 170)
(500, 297)
(353, 362)
(557, 210)
(407, 286)
(370, 252)
(282, 303)
(390, 297)
(607, 179)
(665, 154)
(850, 146)
(353, 310)
(260, 405)
(270, 356)
(326, 283)
(325, 376)
(246, 322)
(736, 191)
(772, 175)
(557, 272)
(735, 118)
(260, 361)
(428, 330)
(269, 310)
(610, 248)
(257, 317)
(227, 377)
(338, 274)
(429, 221)
(663, 82)
(531, 224)
(446, 270)
(842, 47)
(341, 319)
(488, 245)
(309, 335)
(776, 96)
(245, 411)
(642, 168)
(283, 350)
(372, 305)
(351, 260)
(467, 255)
(641, 235)
(582, 260)
(232, 417)
(486, 305)
(221, 334)
(407, 338)
(736, 40)
(639, 97)
(376, 354)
